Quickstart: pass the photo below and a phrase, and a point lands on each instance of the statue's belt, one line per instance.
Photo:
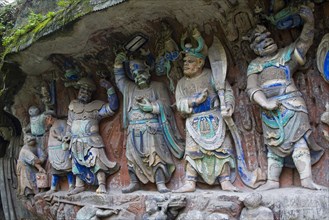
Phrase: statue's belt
(37, 135)
(144, 121)
(55, 147)
(286, 96)
(85, 135)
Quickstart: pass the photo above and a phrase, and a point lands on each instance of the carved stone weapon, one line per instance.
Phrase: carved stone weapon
(218, 62)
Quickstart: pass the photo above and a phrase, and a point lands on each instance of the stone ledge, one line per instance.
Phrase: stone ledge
(286, 203)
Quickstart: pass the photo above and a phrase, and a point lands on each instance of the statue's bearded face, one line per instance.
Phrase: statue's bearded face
(263, 45)
(140, 74)
(192, 66)
(84, 95)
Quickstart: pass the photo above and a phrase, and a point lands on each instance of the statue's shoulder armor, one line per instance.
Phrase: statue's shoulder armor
(280, 59)
(78, 107)
(94, 105)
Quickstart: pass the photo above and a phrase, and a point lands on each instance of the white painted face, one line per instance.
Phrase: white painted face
(192, 66)
(34, 111)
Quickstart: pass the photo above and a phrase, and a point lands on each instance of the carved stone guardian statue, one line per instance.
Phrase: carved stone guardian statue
(286, 126)
(209, 152)
(90, 163)
(149, 120)
(37, 128)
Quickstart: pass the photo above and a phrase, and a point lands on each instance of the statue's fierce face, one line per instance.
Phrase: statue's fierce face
(263, 44)
(84, 95)
(266, 47)
(192, 66)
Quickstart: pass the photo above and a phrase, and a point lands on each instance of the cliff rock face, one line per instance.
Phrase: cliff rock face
(84, 35)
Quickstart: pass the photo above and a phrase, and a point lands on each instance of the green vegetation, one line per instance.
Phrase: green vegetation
(33, 21)
(6, 13)
(15, 36)
(18, 37)
(37, 22)
(65, 3)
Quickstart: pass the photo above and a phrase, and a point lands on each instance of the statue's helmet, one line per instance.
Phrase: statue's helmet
(200, 50)
(87, 83)
(261, 42)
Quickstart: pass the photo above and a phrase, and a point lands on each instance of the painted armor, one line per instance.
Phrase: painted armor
(86, 144)
(208, 145)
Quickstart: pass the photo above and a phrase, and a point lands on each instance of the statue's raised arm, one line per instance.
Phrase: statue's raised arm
(151, 136)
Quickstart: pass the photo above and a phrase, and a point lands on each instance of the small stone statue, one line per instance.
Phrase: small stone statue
(37, 128)
(150, 123)
(286, 126)
(208, 152)
(58, 153)
(43, 91)
(90, 163)
(28, 165)
(168, 58)
(254, 210)
(46, 97)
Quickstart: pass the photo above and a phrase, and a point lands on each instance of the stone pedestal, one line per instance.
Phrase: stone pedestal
(285, 203)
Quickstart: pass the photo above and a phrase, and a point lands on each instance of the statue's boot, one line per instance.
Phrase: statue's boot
(160, 181)
(54, 181)
(76, 190)
(79, 187)
(228, 186)
(134, 183)
(190, 180)
(70, 179)
(224, 179)
(189, 186)
(49, 194)
(274, 168)
(302, 160)
(101, 182)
